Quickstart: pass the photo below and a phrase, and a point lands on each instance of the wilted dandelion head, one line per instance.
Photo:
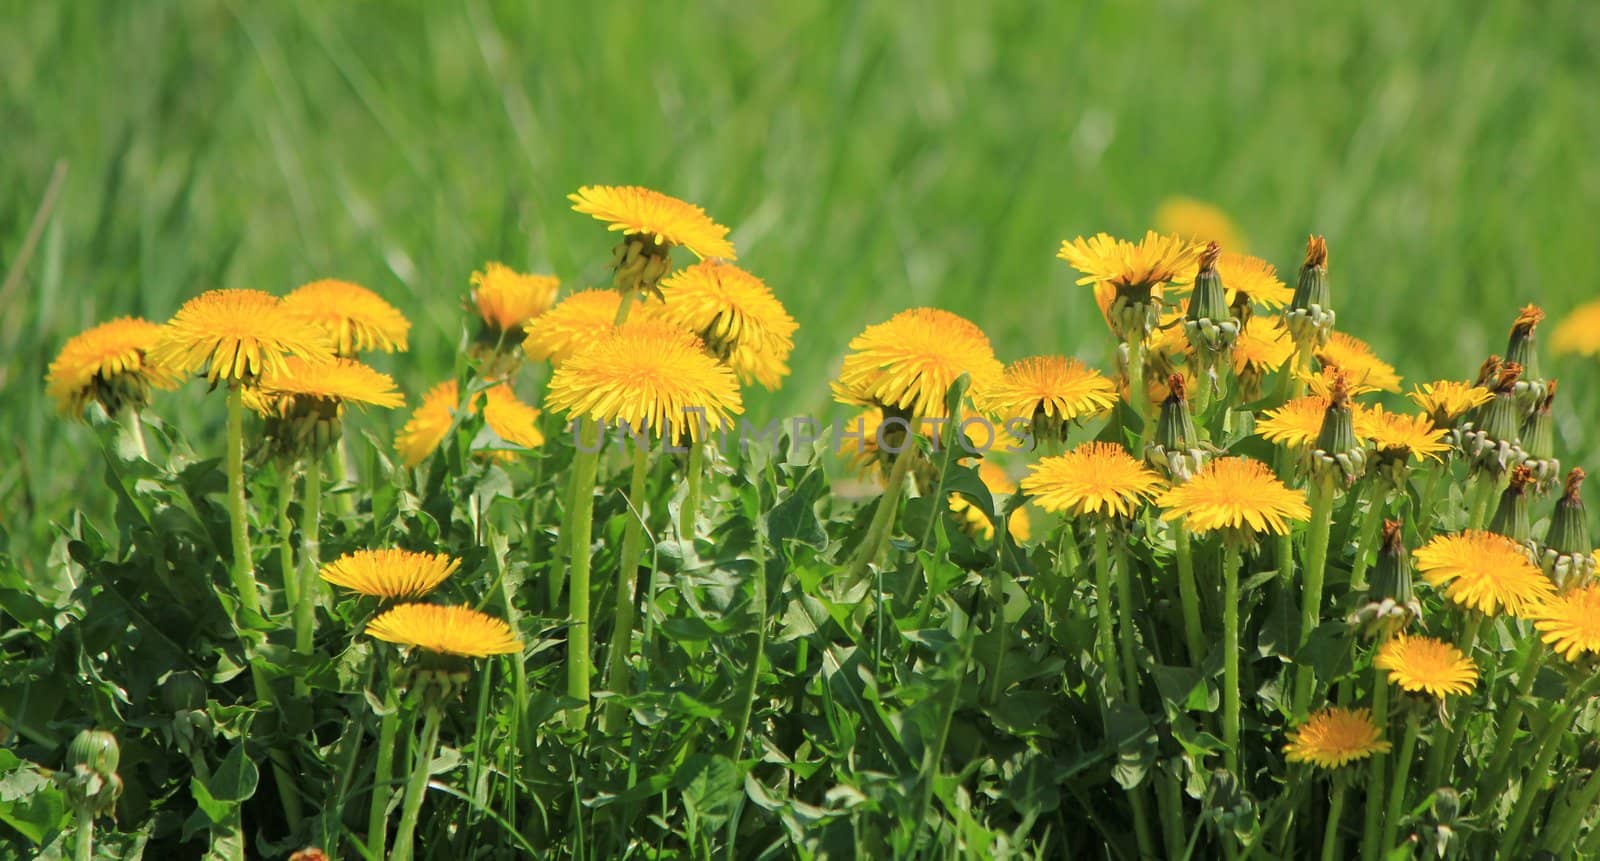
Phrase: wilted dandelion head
(507, 299)
(637, 211)
(1446, 401)
(1483, 571)
(353, 317)
(651, 375)
(574, 322)
(108, 364)
(1237, 494)
(445, 630)
(1425, 664)
(390, 573)
(1570, 622)
(908, 363)
(737, 317)
(1096, 478)
(236, 336)
(1335, 736)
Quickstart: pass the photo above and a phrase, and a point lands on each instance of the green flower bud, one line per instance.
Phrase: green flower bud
(1511, 517)
(1521, 349)
(1176, 449)
(1392, 604)
(1338, 449)
(1494, 443)
(183, 690)
(1310, 317)
(1567, 557)
(1539, 441)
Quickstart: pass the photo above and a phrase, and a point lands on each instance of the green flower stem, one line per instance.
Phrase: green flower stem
(1483, 490)
(1367, 533)
(1330, 832)
(1375, 774)
(242, 571)
(1402, 776)
(1174, 825)
(417, 786)
(282, 768)
(1189, 596)
(1532, 785)
(1442, 755)
(1428, 511)
(310, 559)
(130, 420)
(616, 679)
(1103, 615)
(291, 582)
(558, 570)
(1002, 584)
(383, 770)
(348, 475)
(1125, 622)
(1322, 493)
(83, 836)
(883, 518)
(578, 526)
(1568, 816)
(624, 306)
(759, 608)
(1528, 669)
(1069, 547)
(1230, 655)
(694, 475)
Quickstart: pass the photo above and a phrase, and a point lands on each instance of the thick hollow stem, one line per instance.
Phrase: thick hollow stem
(1189, 596)
(1230, 654)
(242, 571)
(417, 786)
(558, 570)
(627, 575)
(83, 838)
(1483, 490)
(694, 475)
(1367, 534)
(310, 559)
(291, 580)
(383, 771)
(1443, 755)
(1402, 776)
(1330, 833)
(1322, 493)
(1429, 506)
(883, 518)
(1103, 616)
(579, 525)
(759, 607)
(1125, 622)
(1494, 775)
(1377, 770)
(1533, 784)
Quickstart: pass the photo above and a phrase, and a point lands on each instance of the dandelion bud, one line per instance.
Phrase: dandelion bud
(95, 750)
(1338, 448)
(1539, 441)
(1567, 557)
(1495, 442)
(1310, 317)
(1176, 448)
(1522, 350)
(183, 691)
(1511, 517)
(1392, 604)
(90, 779)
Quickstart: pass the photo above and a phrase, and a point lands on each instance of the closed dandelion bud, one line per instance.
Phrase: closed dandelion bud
(183, 691)
(1392, 604)
(1133, 314)
(1539, 441)
(1522, 349)
(1208, 324)
(1310, 316)
(90, 779)
(1495, 443)
(1176, 449)
(1567, 557)
(1338, 450)
(1511, 517)
(96, 750)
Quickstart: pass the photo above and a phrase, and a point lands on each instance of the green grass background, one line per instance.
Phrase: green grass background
(868, 157)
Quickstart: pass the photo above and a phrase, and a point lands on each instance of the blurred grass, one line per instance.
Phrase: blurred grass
(869, 158)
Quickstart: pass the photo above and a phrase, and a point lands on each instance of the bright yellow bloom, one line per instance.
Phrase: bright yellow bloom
(651, 375)
(667, 220)
(236, 335)
(1483, 571)
(574, 322)
(1401, 432)
(1298, 423)
(1570, 622)
(1000, 486)
(445, 631)
(1053, 386)
(1197, 221)
(1352, 355)
(334, 384)
(109, 364)
(354, 317)
(1320, 383)
(909, 362)
(1255, 278)
(390, 573)
(1263, 347)
(507, 299)
(1098, 478)
(1578, 332)
(1335, 736)
(735, 314)
(1154, 260)
(509, 418)
(1235, 493)
(1425, 664)
(1445, 401)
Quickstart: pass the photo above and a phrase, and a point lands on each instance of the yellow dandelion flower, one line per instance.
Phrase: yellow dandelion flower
(511, 419)
(1154, 260)
(1578, 332)
(355, 318)
(1054, 387)
(859, 440)
(735, 314)
(1097, 478)
(390, 573)
(573, 323)
(1253, 277)
(1298, 423)
(507, 299)
(1320, 383)
(637, 211)
(1570, 622)
(1235, 493)
(1352, 355)
(1445, 401)
(1197, 221)
(650, 375)
(110, 364)
(1483, 571)
(909, 362)
(1401, 432)
(236, 335)
(445, 631)
(1000, 486)
(299, 383)
(1263, 347)
(1425, 664)
(1335, 736)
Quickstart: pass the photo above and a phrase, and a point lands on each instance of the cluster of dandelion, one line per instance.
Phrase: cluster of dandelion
(1231, 508)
